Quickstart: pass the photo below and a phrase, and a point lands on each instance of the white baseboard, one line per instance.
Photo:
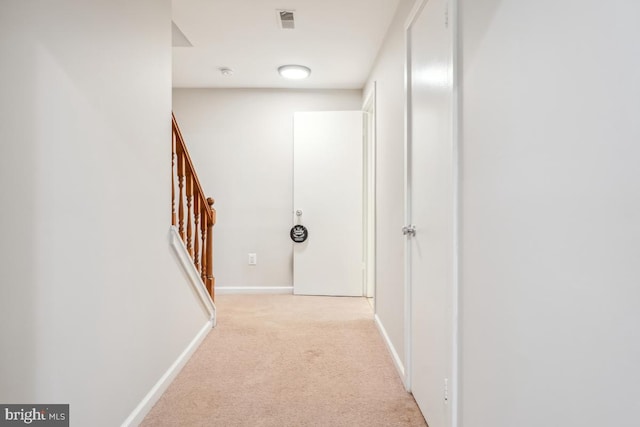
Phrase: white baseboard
(228, 290)
(192, 273)
(143, 408)
(394, 354)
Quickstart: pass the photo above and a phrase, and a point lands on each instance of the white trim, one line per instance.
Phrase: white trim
(194, 276)
(370, 98)
(229, 290)
(143, 408)
(394, 354)
(457, 183)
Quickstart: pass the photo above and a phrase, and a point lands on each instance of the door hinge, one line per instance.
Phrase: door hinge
(446, 390)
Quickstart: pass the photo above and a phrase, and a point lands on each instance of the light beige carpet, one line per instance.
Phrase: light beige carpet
(284, 360)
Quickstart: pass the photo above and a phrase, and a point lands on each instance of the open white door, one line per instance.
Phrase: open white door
(327, 194)
(430, 210)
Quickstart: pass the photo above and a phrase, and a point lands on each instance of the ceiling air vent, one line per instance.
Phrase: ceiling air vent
(286, 20)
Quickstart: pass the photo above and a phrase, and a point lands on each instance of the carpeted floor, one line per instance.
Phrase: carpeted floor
(284, 360)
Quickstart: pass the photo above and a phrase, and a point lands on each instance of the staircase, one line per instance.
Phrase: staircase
(195, 216)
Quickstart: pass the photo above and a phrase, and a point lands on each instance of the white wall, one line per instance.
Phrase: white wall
(388, 73)
(241, 141)
(93, 306)
(551, 213)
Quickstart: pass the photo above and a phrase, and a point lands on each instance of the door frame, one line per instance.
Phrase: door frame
(369, 194)
(454, 383)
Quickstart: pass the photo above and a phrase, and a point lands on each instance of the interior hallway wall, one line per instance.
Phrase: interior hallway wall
(551, 213)
(241, 141)
(93, 306)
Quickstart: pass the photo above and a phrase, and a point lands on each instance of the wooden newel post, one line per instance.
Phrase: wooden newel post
(210, 279)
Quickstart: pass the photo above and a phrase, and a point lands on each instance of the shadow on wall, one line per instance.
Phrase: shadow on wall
(483, 17)
(19, 279)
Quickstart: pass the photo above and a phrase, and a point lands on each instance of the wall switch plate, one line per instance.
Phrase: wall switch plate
(253, 259)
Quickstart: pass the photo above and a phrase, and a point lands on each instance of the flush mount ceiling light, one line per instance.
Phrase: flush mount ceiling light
(225, 71)
(296, 72)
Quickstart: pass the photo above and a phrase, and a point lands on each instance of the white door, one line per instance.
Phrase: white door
(327, 193)
(430, 209)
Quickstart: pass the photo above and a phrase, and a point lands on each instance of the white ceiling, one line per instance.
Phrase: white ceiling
(337, 39)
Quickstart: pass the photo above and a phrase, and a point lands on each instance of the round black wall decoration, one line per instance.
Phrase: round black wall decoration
(299, 233)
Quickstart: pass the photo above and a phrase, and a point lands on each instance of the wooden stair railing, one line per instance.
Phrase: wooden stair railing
(194, 206)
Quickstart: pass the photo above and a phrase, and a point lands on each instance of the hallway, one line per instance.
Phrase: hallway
(284, 360)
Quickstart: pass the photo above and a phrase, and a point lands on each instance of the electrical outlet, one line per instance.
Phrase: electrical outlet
(253, 259)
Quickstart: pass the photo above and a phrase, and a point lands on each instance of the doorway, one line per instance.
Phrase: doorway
(369, 195)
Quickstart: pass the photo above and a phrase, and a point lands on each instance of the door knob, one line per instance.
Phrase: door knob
(409, 229)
